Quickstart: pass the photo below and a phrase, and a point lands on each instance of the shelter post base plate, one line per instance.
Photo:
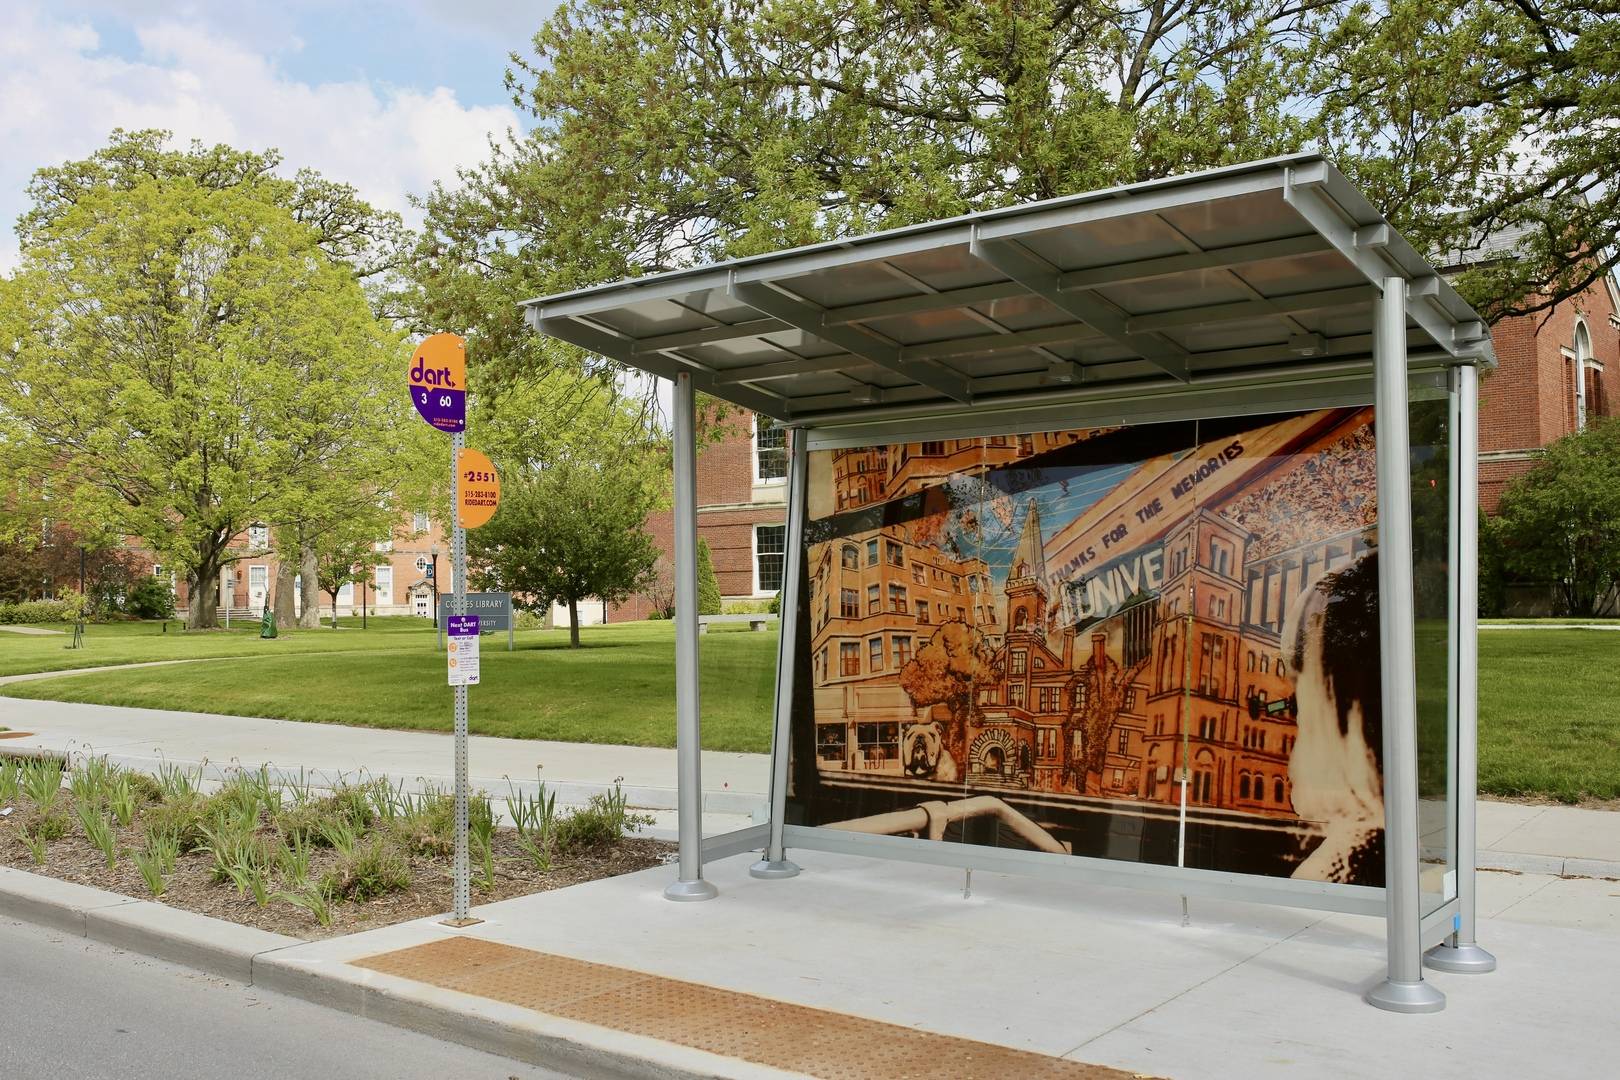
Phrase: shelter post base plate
(691, 890)
(1406, 997)
(1460, 959)
(771, 869)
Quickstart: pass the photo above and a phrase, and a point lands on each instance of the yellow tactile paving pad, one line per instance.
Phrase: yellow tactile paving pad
(834, 1046)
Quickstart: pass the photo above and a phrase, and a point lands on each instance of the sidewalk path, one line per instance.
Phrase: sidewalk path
(143, 738)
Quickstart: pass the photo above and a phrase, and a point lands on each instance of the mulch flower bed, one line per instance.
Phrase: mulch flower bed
(279, 846)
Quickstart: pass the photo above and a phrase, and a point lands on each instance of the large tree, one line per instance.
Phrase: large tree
(178, 342)
(669, 132)
(1560, 522)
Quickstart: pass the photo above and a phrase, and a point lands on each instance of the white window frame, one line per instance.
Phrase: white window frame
(753, 454)
(377, 573)
(383, 547)
(753, 554)
(258, 537)
(420, 522)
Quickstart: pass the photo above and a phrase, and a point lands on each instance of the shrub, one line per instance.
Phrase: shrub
(527, 620)
(346, 811)
(428, 824)
(49, 826)
(150, 598)
(372, 869)
(66, 608)
(708, 586)
(603, 820)
(181, 816)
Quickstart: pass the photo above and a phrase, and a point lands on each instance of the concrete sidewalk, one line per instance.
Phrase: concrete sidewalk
(1084, 974)
(1518, 837)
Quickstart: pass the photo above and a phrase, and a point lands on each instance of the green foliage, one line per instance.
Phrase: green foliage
(182, 816)
(10, 780)
(1560, 521)
(98, 830)
(150, 598)
(42, 783)
(151, 872)
(36, 844)
(708, 586)
(313, 898)
(369, 870)
(603, 820)
(64, 609)
(247, 381)
(572, 529)
(175, 782)
(49, 826)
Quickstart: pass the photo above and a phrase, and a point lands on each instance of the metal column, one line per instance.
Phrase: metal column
(1404, 990)
(1460, 953)
(458, 606)
(775, 864)
(688, 726)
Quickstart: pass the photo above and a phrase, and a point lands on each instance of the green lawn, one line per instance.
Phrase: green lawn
(1549, 699)
(138, 642)
(618, 687)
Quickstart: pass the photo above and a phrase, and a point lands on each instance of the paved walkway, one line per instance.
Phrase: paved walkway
(29, 630)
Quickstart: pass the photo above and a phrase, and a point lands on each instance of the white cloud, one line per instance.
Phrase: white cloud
(61, 94)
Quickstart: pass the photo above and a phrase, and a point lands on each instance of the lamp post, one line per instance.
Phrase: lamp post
(435, 553)
(364, 578)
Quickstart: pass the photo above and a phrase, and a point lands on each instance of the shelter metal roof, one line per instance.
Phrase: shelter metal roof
(1268, 270)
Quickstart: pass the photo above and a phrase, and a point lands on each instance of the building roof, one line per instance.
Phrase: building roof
(1262, 271)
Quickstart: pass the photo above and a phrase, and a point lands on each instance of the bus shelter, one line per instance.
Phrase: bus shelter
(1131, 539)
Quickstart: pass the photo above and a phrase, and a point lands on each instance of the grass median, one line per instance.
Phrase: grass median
(618, 687)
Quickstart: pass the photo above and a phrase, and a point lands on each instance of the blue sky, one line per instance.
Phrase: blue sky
(389, 97)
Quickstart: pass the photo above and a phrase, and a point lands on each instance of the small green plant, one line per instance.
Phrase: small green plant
(151, 872)
(182, 816)
(535, 818)
(122, 800)
(177, 783)
(428, 824)
(51, 826)
(369, 870)
(313, 898)
(92, 780)
(604, 819)
(42, 783)
(164, 848)
(10, 780)
(98, 830)
(35, 844)
(292, 856)
(340, 834)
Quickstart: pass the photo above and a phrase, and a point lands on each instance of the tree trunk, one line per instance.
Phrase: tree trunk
(202, 605)
(282, 601)
(573, 623)
(309, 583)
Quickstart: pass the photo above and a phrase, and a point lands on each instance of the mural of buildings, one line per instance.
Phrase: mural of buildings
(1126, 645)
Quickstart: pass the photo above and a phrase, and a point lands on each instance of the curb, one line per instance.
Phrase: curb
(182, 937)
(270, 961)
(1556, 865)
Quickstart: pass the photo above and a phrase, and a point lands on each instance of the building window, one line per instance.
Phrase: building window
(849, 604)
(383, 547)
(258, 537)
(873, 603)
(897, 599)
(871, 552)
(933, 449)
(956, 583)
(258, 579)
(1277, 790)
(1124, 741)
(849, 657)
(922, 611)
(1243, 785)
(770, 453)
(383, 582)
(770, 548)
(850, 557)
(874, 654)
(420, 522)
(896, 553)
(1020, 662)
(1015, 694)
(902, 650)
(918, 574)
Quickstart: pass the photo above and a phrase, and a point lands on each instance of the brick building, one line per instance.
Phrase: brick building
(1556, 370)
(741, 514)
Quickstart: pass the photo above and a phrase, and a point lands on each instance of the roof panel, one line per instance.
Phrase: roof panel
(1162, 281)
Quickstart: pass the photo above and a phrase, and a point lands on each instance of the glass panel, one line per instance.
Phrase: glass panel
(1433, 540)
(1283, 679)
(1082, 629)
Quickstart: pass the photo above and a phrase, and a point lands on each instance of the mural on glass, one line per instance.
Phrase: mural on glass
(1156, 643)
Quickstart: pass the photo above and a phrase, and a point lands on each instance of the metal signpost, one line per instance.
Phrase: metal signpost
(438, 386)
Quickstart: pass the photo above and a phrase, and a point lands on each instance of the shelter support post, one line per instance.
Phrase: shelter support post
(1404, 989)
(689, 885)
(775, 864)
(1460, 953)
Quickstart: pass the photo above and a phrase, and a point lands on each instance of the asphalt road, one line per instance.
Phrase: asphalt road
(75, 1008)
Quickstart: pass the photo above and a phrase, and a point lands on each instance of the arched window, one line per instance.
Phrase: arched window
(1243, 785)
(1265, 663)
(850, 557)
(1277, 790)
(1251, 659)
(1281, 671)
(1583, 356)
(1020, 617)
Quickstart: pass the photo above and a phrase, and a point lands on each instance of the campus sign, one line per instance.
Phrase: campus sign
(438, 381)
(493, 609)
